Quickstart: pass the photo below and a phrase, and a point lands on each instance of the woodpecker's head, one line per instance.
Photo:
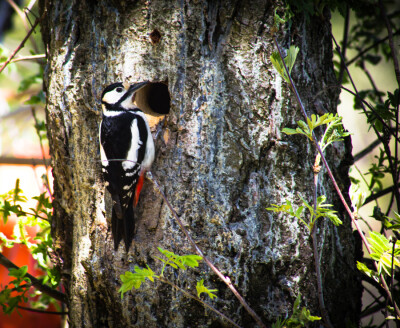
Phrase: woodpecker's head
(120, 95)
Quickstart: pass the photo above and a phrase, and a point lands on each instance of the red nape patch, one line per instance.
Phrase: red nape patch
(139, 187)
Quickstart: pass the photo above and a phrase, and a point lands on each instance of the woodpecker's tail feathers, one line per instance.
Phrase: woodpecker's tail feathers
(117, 206)
(123, 228)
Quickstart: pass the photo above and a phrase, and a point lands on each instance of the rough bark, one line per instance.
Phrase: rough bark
(223, 162)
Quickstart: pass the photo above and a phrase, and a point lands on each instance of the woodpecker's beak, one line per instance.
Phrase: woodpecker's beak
(136, 87)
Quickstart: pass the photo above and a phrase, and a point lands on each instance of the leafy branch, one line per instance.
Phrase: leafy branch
(320, 151)
(225, 279)
(299, 318)
(21, 45)
(11, 204)
(22, 276)
(135, 279)
(321, 210)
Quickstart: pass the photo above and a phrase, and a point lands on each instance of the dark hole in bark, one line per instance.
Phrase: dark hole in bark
(155, 36)
(154, 98)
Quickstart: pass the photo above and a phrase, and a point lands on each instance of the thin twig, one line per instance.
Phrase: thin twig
(379, 194)
(40, 311)
(33, 57)
(366, 150)
(363, 102)
(184, 292)
(35, 282)
(384, 141)
(324, 312)
(21, 161)
(226, 280)
(392, 267)
(338, 191)
(391, 43)
(21, 45)
(393, 51)
(33, 214)
(22, 15)
(371, 308)
(361, 53)
(47, 182)
(345, 36)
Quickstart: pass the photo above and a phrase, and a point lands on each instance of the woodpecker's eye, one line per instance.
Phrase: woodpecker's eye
(119, 89)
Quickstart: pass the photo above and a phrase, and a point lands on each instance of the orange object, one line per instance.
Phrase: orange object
(20, 256)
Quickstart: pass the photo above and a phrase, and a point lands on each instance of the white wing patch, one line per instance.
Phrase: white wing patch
(103, 156)
(134, 149)
(150, 149)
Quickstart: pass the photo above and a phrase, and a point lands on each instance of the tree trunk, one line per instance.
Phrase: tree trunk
(223, 160)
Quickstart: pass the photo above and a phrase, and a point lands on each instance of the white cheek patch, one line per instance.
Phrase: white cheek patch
(134, 149)
(113, 97)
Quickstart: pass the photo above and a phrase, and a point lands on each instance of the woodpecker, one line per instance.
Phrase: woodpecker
(127, 151)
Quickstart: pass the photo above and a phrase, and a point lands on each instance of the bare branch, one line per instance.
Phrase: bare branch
(321, 301)
(33, 57)
(379, 194)
(367, 150)
(21, 161)
(363, 52)
(40, 311)
(47, 182)
(345, 37)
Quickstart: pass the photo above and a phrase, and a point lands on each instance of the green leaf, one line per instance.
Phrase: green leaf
(18, 273)
(301, 316)
(288, 208)
(203, 289)
(307, 205)
(370, 273)
(279, 323)
(289, 131)
(379, 244)
(394, 98)
(29, 81)
(191, 260)
(176, 261)
(134, 280)
(278, 20)
(291, 57)
(333, 217)
(382, 252)
(36, 99)
(289, 61)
